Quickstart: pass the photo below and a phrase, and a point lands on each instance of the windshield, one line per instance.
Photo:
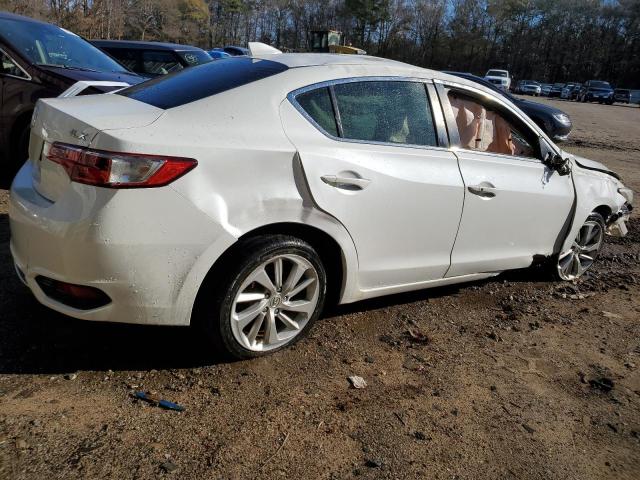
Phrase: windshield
(598, 84)
(44, 44)
(195, 57)
(496, 73)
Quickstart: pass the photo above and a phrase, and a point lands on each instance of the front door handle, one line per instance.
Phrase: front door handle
(485, 190)
(346, 183)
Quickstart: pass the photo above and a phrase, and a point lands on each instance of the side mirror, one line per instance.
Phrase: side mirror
(559, 164)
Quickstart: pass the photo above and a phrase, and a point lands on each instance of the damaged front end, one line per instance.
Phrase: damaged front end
(617, 222)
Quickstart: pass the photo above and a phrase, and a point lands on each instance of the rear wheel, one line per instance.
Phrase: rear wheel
(272, 295)
(18, 154)
(584, 251)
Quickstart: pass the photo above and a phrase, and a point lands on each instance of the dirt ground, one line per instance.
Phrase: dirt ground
(517, 377)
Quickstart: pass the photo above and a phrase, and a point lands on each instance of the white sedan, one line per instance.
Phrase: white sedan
(242, 195)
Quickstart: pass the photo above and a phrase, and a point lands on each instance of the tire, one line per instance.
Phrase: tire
(571, 265)
(271, 324)
(18, 154)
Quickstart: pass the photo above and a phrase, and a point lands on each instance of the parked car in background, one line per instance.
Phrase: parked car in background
(622, 95)
(545, 88)
(596, 91)
(236, 51)
(151, 59)
(570, 93)
(528, 87)
(500, 78)
(556, 90)
(247, 236)
(39, 60)
(552, 121)
(218, 53)
(567, 89)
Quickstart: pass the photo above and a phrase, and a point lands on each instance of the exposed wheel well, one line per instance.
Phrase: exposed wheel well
(21, 122)
(603, 210)
(328, 249)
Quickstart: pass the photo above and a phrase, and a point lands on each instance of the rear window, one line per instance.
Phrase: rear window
(195, 57)
(202, 81)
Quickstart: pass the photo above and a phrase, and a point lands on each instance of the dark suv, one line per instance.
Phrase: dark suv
(596, 91)
(39, 60)
(151, 59)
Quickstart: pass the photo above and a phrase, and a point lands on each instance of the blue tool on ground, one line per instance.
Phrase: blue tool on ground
(156, 400)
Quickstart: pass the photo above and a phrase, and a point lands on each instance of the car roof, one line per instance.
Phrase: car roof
(143, 44)
(21, 18)
(294, 60)
(377, 66)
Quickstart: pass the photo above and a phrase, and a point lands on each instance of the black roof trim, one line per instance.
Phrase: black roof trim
(174, 47)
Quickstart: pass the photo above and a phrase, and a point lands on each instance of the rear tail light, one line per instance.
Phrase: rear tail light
(117, 170)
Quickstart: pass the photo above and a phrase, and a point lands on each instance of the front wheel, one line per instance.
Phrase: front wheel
(584, 251)
(274, 291)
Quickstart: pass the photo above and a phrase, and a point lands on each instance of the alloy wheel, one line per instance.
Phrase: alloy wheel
(275, 302)
(583, 252)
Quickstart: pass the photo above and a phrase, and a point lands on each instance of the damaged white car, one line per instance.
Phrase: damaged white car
(242, 195)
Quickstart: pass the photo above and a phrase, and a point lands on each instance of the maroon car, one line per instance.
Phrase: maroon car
(40, 60)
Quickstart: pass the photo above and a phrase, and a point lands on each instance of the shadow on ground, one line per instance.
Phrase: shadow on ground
(35, 339)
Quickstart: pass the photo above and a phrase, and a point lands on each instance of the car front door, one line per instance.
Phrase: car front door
(515, 206)
(374, 159)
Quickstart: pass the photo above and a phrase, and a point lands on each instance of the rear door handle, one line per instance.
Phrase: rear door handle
(485, 190)
(346, 183)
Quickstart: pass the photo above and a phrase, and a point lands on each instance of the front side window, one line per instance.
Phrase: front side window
(9, 67)
(374, 111)
(484, 128)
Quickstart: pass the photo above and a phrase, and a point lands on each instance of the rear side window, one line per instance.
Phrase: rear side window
(317, 103)
(202, 81)
(386, 111)
(160, 63)
(128, 58)
(373, 111)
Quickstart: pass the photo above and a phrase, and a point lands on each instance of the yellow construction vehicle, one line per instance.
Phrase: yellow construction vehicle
(330, 41)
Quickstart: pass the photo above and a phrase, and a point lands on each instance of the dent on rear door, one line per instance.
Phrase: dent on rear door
(404, 221)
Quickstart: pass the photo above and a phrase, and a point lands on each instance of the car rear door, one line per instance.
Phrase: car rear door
(515, 207)
(374, 158)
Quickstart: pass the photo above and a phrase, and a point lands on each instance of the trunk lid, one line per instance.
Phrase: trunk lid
(77, 121)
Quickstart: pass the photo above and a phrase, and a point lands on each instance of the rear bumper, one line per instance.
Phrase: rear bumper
(137, 246)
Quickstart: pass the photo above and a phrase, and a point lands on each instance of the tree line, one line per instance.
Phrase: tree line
(546, 40)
